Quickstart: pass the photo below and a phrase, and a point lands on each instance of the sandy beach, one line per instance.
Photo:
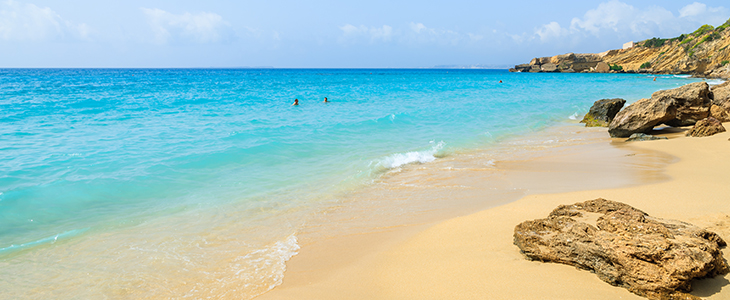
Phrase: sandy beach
(473, 257)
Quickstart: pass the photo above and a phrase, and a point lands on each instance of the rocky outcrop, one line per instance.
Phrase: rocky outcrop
(719, 113)
(565, 63)
(602, 67)
(721, 95)
(692, 102)
(706, 127)
(602, 112)
(625, 247)
(682, 106)
(638, 137)
(705, 52)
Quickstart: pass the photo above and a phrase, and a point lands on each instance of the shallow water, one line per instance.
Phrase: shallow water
(174, 183)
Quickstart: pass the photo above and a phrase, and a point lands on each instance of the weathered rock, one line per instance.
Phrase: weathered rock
(602, 67)
(535, 68)
(721, 95)
(641, 117)
(719, 113)
(523, 67)
(602, 112)
(637, 137)
(549, 67)
(682, 106)
(568, 71)
(693, 102)
(625, 247)
(706, 127)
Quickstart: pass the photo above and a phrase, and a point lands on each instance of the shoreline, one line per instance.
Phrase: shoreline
(326, 268)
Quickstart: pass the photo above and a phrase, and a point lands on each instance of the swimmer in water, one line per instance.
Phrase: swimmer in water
(296, 102)
(325, 100)
(654, 78)
(500, 81)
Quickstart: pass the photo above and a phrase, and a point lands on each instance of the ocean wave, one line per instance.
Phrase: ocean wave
(574, 116)
(715, 81)
(47, 240)
(263, 269)
(400, 159)
(682, 76)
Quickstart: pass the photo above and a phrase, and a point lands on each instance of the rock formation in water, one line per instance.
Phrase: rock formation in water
(625, 247)
(705, 52)
(682, 106)
(602, 112)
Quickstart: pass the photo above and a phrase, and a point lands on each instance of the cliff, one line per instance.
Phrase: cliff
(704, 52)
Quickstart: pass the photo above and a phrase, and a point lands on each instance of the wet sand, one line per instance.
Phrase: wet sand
(471, 256)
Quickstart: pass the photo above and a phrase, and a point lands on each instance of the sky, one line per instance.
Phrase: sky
(330, 34)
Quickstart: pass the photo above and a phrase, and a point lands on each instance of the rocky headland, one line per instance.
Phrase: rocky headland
(704, 52)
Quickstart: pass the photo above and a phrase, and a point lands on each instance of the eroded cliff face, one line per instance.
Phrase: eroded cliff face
(705, 52)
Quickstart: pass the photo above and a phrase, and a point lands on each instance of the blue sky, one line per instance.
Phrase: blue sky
(329, 34)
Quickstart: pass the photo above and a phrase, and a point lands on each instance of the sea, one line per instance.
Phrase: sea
(195, 183)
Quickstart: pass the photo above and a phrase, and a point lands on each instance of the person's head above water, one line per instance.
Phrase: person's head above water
(296, 102)
(325, 100)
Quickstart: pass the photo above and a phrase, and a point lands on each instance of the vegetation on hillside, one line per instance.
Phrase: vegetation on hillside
(705, 33)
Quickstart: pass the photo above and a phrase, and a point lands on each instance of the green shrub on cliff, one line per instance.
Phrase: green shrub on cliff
(686, 41)
(703, 29)
(724, 62)
(615, 67)
(645, 65)
(654, 42)
(723, 26)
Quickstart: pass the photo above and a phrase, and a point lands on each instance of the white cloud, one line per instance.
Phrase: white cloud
(414, 34)
(618, 20)
(384, 33)
(422, 34)
(699, 12)
(417, 27)
(202, 27)
(693, 9)
(28, 22)
(550, 31)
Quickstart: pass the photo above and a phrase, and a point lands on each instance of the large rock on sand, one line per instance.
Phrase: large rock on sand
(693, 102)
(706, 127)
(602, 112)
(682, 106)
(721, 99)
(625, 247)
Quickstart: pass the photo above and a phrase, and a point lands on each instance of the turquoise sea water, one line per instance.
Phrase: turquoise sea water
(95, 162)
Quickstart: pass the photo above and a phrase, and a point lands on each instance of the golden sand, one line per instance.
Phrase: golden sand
(472, 256)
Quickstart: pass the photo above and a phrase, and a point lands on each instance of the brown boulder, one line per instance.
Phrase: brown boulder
(706, 127)
(602, 67)
(682, 106)
(719, 113)
(549, 67)
(721, 95)
(693, 102)
(602, 112)
(641, 117)
(625, 247)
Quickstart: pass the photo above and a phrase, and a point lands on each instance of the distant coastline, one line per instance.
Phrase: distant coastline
(703, 53)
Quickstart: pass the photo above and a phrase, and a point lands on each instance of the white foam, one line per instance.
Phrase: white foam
(715, 81)
(266, 266)
(683, 76)
(400, 159)
(574, 116)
